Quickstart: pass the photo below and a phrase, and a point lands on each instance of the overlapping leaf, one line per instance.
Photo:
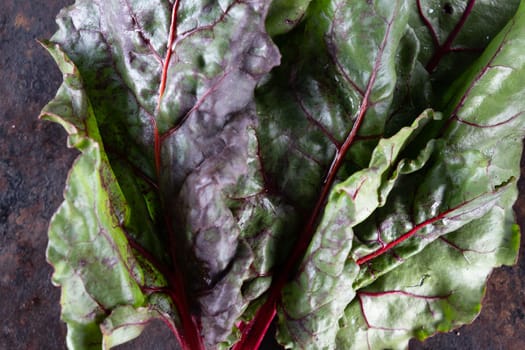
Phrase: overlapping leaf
(195, 200)
(315, 300)
(463, 190)
(221, 51)
(87, 242)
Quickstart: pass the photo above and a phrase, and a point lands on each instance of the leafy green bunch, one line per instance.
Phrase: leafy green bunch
(346, 169)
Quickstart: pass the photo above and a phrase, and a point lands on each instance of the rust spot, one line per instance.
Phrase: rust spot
(22, 21)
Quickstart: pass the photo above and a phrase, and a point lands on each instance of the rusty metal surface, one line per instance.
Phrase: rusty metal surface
(33, 165)
(33, 169)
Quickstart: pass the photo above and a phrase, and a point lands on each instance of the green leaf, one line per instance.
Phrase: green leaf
(87, 246)
(324, 86)
(452, 34)
(150, 107)
(459, 185)
(314, 301)
(224, 177)
(126, 323)
(441, 287)
(284, 15)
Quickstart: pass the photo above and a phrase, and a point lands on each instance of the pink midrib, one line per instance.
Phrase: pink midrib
(190, 339)
(407, 235)
(254, 332)
(446, 47)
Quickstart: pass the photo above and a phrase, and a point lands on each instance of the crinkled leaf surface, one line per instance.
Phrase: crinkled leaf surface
(462, 191)
(315, 300)
(87, 239)
(224, 178)
(453, 33)
(186, 119)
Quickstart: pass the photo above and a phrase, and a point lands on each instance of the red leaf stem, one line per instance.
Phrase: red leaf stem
(428, 24)
(190, 339)
(162, 86)
(404, 293)
(156, 146)
(191, 336)
(412, 232)
(169, 52)
(254, 331)
(400, 239)
(466, 94)
(446, 47)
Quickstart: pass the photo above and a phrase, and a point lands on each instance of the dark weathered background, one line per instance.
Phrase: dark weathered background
(33, 168)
